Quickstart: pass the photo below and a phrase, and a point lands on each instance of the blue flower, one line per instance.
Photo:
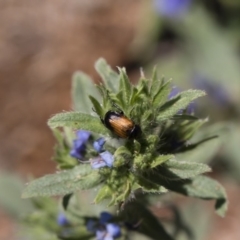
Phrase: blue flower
(113, 230)
(100, 234)
(62, 220)
(103, 228)
(98, 144)
(110, 232)
(83, 135)
(105, 217)
(98, 162)
(172, 8)
(104, 159)
(79, 144)
(108, 158)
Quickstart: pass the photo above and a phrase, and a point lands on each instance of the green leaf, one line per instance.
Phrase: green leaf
(125, 87)
(109, 77)
(201, 187)
(123, 151)
(143, 87)
(65, 182)
(122, 156)
(134, 96)
(82, 86)
(103, 193)
(188, 129)
(120, 101)
(180, 102)
(176, 170)
(160, 160)
(96, 106)
(161, 96)
(78, 120)
(147, 185)
(155, 83)
(125, 193)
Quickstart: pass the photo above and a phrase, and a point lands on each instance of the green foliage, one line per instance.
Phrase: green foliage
(181, 101)
(155, 161)
(79, 178)
(138, 103)
(82, 87)
(176, 170)
(77, 120)
(109, 77)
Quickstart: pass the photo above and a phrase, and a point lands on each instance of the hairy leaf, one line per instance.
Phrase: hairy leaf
(109, 77)
(78, 120)
(161, 96)
(155, 83)
(177, 170)
(82, 86)
(65, 182)
(125, 87)
(160, 160)
(96, 106)
(178, 103)
(200, 187)
(103, 193)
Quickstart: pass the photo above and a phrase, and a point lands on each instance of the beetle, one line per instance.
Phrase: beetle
(119, 124)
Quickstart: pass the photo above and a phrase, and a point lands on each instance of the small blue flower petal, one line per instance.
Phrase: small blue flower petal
(108, 237)
(98, 162)
(79, 145)
(108, 158)
(83, 135)
(105, 217)
(100, 234)
(74, 153)
(113, 230)
(172, 8)
(62, 220)
(98, 144)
